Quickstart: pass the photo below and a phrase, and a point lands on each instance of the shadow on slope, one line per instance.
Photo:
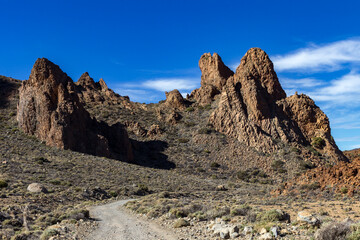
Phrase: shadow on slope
(150, 154)
(8, 88)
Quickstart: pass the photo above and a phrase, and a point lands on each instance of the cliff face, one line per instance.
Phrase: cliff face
(50, 109)
(254, 108)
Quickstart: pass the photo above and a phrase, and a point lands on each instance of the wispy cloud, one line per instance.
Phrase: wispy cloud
(168, 84)
(344, 90)
(327, 57)
(301, 83)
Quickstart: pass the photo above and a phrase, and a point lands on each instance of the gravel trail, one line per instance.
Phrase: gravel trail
(116, 223)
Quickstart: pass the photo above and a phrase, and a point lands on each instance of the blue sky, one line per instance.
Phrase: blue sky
(143, 48)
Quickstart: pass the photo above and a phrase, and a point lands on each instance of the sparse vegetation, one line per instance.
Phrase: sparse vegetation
(3, 183)
(318, 142)
(214, 165)
(190, 109)
(181, 223)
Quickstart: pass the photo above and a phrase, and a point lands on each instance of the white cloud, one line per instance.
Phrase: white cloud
(139, 95)
(300, 83)
(328, 57)
(168, 84)
(344, 90)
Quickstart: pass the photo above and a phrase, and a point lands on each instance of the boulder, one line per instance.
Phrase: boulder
(175, 100)
(36, 188)
(307, 217)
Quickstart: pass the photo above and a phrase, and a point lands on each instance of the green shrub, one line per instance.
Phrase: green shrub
(311, 186)
(3, 183)
(183, 140)
(49, 232)
(240, 210)
(181, 223)
(252, 175)
(344, 190)
(278, 166)
(306, 165)
(272, 215)
(355, 232)
(178, 212)
(41, 160)
(190, 124)
(55, 181)
(295, 150)
(189, 109)
(204, 131)
(318, 142)
(207, 107)
(243, 175)
(113, 194)
(214, 165)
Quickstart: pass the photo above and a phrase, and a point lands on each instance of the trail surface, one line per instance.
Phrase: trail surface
(116, 223)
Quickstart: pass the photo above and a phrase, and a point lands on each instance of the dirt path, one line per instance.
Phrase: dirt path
(116, 223)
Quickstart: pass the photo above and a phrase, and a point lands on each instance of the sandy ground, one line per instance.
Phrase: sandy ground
(116, 223)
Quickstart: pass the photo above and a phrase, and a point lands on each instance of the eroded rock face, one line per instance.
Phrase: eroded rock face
(214, 72)
(50, 109)
(254, 109)
(214, 77)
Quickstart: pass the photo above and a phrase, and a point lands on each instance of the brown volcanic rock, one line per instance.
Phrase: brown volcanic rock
(259, 85)
(175, 100)
(50, 109)
(214, 72)
(213, 78)
(90, 91)
(343, 175)
(247, 107)
(352, 154)
(313, 122)
(254, 109)
(205, 94)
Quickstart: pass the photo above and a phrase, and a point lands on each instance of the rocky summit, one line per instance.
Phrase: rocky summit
(254, 108)
(50, 109)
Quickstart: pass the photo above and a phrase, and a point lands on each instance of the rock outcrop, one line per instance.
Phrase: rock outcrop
(50, 109)
(90, 91)
(214, 72)
(175, 100)
(254, 109)
(214, 77)
(343, 178)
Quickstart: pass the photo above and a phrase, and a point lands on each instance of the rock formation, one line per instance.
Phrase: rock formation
(214, 72)
(214, 77)
(175, 100)
(50, 109)
(254, 109)
(90, 91)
